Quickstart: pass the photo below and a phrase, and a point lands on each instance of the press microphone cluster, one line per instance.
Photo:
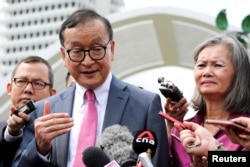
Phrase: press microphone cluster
(118, 148)
(145, 144)
(117, 140)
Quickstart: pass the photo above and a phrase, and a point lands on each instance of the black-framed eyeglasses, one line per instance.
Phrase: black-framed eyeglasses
(36, 84)
(95, 53)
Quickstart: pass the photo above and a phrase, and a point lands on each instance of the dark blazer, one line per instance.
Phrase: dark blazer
(127, 105)
(7, 150)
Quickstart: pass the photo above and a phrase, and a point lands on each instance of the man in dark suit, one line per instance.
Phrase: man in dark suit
(32, 79)
(87, 52)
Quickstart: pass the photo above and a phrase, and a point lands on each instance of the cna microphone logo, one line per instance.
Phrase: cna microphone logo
(146, 137)
(145, 140)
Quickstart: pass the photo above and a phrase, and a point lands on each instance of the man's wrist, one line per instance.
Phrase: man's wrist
(10, 138)
(14, 133)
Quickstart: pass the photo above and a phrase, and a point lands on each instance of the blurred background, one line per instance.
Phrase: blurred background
(154, 38)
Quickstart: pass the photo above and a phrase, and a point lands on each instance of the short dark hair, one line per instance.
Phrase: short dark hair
(36, 59)
(82, 16)
(238, 98)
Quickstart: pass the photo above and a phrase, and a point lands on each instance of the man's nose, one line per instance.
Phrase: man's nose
(29, 86)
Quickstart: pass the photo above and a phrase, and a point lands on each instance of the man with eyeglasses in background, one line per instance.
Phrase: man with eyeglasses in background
(32, 79)
(87, 50)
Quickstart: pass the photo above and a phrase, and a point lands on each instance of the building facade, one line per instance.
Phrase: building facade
(28, 26)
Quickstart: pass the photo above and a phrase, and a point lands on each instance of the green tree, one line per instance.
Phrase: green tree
(221, 22)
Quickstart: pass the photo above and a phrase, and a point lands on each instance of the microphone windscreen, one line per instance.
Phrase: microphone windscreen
(145, 140)
(118, 140)
(94, 157)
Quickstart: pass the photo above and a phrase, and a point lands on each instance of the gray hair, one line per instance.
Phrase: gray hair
(238, 97)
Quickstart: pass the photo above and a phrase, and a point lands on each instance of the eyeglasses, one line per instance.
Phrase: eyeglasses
(95, 53)
(36, 84)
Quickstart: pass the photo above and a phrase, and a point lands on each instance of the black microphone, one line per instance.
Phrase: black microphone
(145, 143)
(117, 140)
(95, 157)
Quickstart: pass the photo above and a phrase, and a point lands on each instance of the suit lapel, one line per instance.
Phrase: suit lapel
(116, 103)
(64, 104)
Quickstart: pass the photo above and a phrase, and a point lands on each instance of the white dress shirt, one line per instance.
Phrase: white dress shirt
(79, 107)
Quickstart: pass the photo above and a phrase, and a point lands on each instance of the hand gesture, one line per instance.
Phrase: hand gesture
(196, 139)
(50, 126)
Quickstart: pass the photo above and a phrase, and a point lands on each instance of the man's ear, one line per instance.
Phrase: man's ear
(52, 91)
(9, 88)
(63, 55)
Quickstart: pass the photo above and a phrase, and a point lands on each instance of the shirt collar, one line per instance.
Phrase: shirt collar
(101, 92)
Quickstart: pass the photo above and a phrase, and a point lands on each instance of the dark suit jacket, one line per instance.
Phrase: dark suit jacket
(127, 105)
(7, 150)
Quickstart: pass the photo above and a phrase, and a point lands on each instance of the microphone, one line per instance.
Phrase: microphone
(117, 140)
(145, 144)
(145, 160)
(95, 157)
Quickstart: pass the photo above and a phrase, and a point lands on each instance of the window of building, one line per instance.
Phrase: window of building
(61, 18)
